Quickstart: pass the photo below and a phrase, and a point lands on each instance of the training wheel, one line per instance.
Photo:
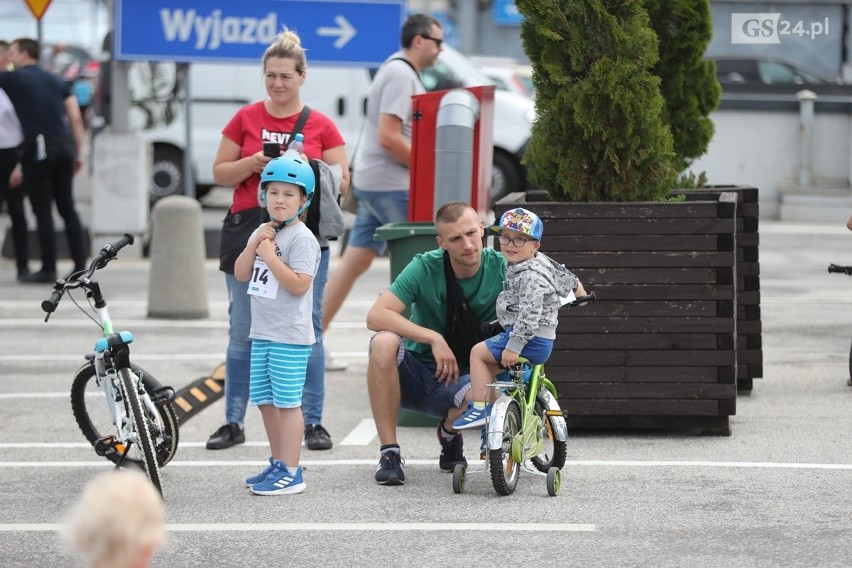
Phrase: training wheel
(458, 478)
(554, 481)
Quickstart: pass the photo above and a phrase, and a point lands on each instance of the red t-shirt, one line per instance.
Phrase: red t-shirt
(253, 125)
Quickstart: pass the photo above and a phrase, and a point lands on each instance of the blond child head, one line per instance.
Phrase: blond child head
(118, 521)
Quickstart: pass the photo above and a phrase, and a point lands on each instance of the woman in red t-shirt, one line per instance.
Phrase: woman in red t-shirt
(239, 162)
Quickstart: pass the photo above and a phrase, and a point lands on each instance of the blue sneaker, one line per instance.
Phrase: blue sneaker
(472, 418)
(255, 479)
(280, 482)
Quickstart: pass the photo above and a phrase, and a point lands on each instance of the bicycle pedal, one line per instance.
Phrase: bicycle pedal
(163, 395)
(554, 413)
(107, 446)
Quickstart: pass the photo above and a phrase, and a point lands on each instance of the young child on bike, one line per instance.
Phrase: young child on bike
(280, 262)
(527, 309)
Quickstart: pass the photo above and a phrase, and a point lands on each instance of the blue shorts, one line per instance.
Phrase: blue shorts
(537, 349)
(421, 391)
(277, 373)
(377, 208)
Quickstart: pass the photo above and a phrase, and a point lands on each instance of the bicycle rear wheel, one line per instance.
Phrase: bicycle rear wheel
(92, 414)
(555, 452)
(504, 462)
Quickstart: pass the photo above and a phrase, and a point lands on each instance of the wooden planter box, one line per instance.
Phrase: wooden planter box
(658, 349)
(749, 328)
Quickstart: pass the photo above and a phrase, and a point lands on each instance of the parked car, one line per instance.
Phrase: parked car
(507, 73)
(767, 71)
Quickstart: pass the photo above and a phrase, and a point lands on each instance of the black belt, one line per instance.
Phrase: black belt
(323, 248)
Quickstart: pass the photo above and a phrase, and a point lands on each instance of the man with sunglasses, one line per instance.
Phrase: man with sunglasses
(381, 178)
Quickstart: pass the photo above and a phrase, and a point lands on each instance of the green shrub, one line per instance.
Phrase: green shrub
(689, 85)
(600, 132)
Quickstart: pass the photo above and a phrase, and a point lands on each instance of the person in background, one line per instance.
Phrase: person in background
(11, 194)
(238, 163)
(50, 154)
(384, 154)
(119, 521)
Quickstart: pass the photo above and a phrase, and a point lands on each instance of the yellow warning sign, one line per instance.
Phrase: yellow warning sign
(38, 7)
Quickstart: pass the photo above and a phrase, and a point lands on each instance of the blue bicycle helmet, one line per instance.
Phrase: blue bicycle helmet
(287, 169)
(521, 220)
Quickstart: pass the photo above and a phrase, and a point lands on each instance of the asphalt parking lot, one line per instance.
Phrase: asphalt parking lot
(771, 494)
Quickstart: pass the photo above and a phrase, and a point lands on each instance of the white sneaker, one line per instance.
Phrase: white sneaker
(333, 365)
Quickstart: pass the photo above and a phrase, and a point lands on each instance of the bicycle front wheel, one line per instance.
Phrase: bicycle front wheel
(140, 426)
(92, 414)
(505, 462)
(555, 452)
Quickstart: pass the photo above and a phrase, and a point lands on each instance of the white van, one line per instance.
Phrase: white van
(217, 91)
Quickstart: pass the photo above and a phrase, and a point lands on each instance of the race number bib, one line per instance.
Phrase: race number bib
(262, 282)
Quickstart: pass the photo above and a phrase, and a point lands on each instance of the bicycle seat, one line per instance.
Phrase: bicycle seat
(113, 340)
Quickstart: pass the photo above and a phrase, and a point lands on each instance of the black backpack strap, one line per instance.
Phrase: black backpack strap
(300, 123)
(313, 216)
(410, 64)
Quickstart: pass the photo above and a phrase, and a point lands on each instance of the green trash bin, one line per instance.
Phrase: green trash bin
(405, 240)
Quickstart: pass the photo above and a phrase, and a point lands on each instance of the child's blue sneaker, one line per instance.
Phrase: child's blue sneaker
(472, 418)
(255, 479)
(280, 482)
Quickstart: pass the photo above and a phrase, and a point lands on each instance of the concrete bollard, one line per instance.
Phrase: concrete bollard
(176, 288)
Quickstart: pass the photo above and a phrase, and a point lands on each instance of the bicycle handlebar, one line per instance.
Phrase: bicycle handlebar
(840, 269)
(590, 297)
(491, 328)
(108, 252)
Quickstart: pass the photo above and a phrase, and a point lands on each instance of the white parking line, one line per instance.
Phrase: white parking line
(362, 434)
(335, 527)
(145, 323)
(433, 462)
(154, 357)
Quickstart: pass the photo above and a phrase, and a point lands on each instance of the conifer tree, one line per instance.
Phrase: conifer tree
(688, 84)
(600, 132)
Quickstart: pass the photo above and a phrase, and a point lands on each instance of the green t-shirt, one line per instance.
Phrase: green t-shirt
(422, 286)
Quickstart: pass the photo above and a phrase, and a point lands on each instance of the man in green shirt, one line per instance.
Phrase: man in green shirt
(410, 363)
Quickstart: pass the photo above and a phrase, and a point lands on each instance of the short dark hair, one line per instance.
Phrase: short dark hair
(28, 46)
(451, 211)
(4, 43)
(417, 25)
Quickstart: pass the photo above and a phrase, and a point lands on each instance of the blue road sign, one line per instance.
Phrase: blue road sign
(344, 32)
(505, 13)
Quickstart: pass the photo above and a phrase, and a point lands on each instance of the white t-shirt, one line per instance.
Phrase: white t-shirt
(393, 86)
(11, 134)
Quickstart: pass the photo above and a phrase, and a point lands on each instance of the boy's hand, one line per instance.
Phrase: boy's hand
(262, 233)
(508, 358)
(266, 250)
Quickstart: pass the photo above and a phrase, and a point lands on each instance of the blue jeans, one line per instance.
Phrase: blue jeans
(377, 208)
(238, 356)
(313, 395)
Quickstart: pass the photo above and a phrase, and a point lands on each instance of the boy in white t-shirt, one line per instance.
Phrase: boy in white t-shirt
(280, 262)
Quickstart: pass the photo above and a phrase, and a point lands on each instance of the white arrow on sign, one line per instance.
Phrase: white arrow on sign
(344, 31)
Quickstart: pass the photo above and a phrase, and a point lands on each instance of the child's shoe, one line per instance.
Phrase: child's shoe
(280, 482)
(255, 479)
(472, 418)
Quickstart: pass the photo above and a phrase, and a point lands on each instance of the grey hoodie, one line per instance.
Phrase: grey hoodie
(530, 299)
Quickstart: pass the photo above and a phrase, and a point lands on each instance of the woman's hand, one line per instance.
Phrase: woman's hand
(259, 161)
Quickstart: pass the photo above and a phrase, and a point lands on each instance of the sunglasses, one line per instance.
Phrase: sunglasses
(437, 41)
